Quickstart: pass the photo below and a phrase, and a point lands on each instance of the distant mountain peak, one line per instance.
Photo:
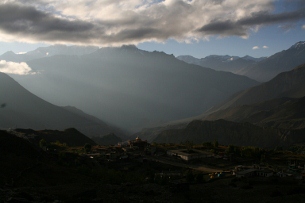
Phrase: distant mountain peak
(250, 58)
(223, 57)
(300, 44)
(9, 53)
(59, 49)
(129, 46)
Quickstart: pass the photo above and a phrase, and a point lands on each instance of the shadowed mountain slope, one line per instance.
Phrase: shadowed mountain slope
(110, 139)
(287, 84)
(22, 109)
(71, 136)
(285, 113)
(277, 103)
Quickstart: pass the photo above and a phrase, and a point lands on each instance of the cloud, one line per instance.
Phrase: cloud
(265, 47)
(130, 22)
(303, 27)
(255, 47)
(15, 68)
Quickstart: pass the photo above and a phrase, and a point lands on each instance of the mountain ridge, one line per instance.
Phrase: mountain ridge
(260, 69)
(282, 61)
(233, 64)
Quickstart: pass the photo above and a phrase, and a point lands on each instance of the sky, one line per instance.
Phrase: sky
(180, 27)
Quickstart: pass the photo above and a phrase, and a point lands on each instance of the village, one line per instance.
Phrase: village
(210, 159)
(183, 172)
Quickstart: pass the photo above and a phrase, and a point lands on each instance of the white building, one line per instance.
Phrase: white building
(188, 155)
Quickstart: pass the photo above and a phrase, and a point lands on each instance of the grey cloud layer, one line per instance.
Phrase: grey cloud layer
(241, 26)
(24, 20)
(118, 22)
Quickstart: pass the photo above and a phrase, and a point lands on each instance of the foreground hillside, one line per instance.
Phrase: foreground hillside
(129, 87)
(22, 109)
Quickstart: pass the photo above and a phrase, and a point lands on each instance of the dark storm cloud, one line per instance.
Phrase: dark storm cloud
(241, 26)
(224, 28)
(265, 18)
(135, 34)
(25, 20)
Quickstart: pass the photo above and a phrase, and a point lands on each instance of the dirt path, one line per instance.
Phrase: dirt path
(202, 168)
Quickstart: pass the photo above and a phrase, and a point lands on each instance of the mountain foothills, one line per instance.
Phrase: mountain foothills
(69, 137)
(22, 109)
(130, 88)
(260, 69)
(225, 132)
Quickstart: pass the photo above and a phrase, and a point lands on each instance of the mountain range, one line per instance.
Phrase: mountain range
(261, 69)
(133, 89)
(129, 87)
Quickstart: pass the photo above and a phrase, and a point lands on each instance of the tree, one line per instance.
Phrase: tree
(215, 143)
(42, 143)
(199, 178)
(190, 176)
(87, 147)
(189, 145)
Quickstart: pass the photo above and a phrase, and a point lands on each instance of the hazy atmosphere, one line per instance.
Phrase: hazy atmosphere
(151, 101)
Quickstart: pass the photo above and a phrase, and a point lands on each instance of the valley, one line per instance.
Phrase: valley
(125, 125)
(152, 101)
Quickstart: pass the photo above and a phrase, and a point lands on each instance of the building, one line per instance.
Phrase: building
(281, 174)
(138, 143)
(246, 173)
(265, 173)
(188, 155)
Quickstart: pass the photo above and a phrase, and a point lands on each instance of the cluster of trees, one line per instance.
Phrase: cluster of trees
(190, 177)
(59, 145)
(52, 145)
(247, 152)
